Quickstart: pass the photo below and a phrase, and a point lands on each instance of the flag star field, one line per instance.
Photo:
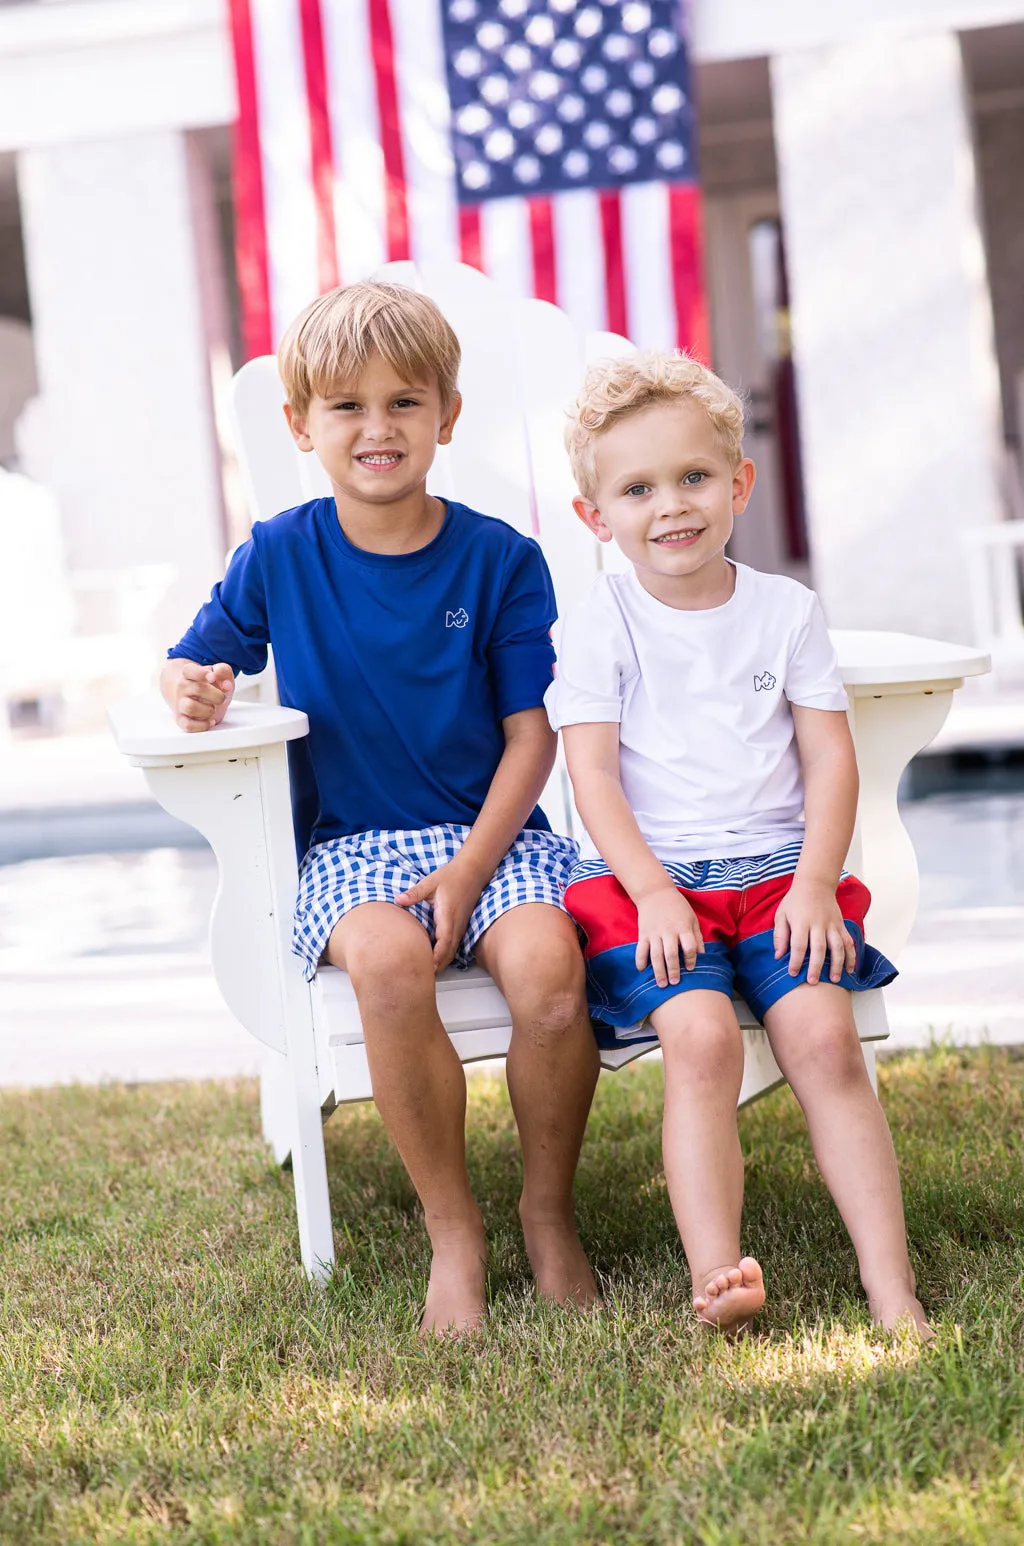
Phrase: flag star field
(551, 95)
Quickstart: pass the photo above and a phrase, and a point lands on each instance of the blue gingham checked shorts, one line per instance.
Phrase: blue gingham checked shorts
(378, 866)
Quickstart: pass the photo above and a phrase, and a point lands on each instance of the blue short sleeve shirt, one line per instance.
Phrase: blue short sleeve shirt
(406, 664)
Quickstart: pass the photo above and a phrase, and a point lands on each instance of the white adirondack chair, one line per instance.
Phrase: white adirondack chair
(522, 364)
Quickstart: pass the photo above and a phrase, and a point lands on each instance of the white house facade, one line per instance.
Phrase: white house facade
(865, 230)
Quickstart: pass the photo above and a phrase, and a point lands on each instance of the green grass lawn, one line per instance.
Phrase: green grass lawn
(166, 1374)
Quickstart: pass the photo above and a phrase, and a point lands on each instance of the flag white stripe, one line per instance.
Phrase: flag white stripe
(579, 259)
(650, 299)
(426, 144)
(507, 251)
(359, 206)
(285, 160)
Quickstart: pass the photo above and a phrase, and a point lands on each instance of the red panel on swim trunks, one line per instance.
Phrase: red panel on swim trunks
(608, 918)
(761, 903)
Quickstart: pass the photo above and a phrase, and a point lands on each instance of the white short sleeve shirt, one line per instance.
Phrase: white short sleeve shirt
(707, 753)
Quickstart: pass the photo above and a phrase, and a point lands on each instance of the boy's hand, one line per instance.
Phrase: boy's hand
(453, 890)
(666, 923)
(809, 923)
(198, 696)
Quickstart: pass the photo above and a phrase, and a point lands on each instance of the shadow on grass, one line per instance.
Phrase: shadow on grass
(955, 1174)
(167, 1375)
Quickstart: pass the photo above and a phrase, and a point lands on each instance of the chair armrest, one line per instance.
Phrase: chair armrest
(870, 659)
(145, 731)
(231, 784)
(900, 689)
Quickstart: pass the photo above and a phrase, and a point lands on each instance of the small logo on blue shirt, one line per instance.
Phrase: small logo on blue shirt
(764, 683)
(457, 619)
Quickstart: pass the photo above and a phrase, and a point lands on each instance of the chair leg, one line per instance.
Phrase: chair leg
(300, 1124)
(276, 1106)
(868, 1049)
(309, 1172)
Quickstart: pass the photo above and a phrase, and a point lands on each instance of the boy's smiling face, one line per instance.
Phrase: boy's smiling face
(666, 493)
(376, 435)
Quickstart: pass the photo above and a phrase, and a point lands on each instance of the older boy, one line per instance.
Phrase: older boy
(415, 635)
(704, 726)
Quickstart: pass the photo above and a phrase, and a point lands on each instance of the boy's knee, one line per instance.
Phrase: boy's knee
(546, 989)
(832, 1056)
(390, 968)
(707, 1050)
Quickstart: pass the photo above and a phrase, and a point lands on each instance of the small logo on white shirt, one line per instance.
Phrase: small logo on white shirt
(764, 683)
(457, 619)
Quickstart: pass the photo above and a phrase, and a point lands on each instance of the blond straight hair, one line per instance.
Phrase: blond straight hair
(336, 335)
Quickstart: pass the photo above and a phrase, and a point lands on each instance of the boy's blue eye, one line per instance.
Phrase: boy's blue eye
(637, 488)
(406, 402)
(694, 477)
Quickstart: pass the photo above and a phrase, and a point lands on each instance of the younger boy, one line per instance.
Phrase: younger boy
(415, 634)
(705, 731)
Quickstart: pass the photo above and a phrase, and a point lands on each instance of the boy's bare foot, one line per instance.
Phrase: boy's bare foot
(456, 1294)
(558, 1260)
(896, 1306)
(732, 1297)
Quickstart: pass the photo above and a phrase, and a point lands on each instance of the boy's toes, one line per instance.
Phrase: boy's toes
(731, 1299)
(750, 1273)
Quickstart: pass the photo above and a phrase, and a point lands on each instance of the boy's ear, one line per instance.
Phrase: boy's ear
(742, 485)
(590, 515)
(297, 425)
(444, 434)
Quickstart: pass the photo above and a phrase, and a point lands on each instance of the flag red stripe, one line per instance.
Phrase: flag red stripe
(250, 221)
(542, 243)
(383, 46)
(320, 148)
(686, 240)
(610, 205)
(471, 242)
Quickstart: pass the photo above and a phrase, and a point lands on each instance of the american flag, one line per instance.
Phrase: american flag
(549, 143)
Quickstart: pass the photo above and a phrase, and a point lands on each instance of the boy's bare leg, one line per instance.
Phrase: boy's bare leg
(420, 1091)
(702, 1048)
(533, 954)
(814, 1038)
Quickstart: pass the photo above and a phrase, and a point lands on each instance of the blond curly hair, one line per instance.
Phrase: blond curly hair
(614, 388)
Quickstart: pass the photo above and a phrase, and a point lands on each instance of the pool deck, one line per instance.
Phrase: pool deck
(984, 717)
(103, 999)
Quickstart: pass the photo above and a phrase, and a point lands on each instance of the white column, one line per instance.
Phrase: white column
(126, 430)
(892, 325)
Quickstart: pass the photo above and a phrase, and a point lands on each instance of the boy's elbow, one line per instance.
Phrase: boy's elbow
(530, 728)
(591, 786)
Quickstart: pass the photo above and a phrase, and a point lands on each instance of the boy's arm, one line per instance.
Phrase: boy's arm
(198, 696)
(520, 776)
(809, 921)
(231, 627)
(666, 920)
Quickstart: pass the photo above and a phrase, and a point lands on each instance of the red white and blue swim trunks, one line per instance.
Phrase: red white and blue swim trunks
(735, 901)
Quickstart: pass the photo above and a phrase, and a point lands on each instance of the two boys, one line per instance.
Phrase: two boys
(415, 635)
